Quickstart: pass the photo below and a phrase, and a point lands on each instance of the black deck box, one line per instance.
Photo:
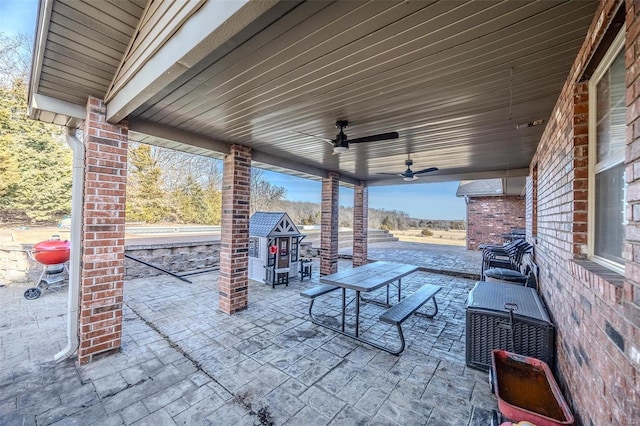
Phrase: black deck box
(490, 323)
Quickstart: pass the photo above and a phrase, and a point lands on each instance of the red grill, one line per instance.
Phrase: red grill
(51, 252)
(53, 256)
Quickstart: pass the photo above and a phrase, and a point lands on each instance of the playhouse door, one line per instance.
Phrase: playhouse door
(283, 253)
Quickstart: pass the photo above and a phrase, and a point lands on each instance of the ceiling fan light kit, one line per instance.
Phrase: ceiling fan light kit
(409, 175)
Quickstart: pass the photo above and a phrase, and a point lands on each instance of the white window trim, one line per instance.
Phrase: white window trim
(616, 47)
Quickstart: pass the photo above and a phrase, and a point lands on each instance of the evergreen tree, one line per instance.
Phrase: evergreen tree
(145, 197)
(189, 202)
(213, 203)
(35, 163)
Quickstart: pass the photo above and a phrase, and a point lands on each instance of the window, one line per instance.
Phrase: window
(607, 118)
(254, 247)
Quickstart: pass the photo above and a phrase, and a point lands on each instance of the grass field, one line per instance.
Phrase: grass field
(452, 237)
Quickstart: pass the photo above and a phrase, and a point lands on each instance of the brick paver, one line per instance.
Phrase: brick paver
(441, 258)
(185, 362)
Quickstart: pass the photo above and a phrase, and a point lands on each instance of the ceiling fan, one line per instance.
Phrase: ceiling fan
(409, 175)
(341, 143)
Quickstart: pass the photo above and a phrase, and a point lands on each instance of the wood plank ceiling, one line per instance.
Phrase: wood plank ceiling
(453, 78)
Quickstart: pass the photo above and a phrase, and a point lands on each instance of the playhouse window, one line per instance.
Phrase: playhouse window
(607, 118)
(254, 247)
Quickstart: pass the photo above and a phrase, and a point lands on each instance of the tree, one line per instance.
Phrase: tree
(264, 195)
(145, 197)
(213, 204)
(189, 202)
(35, 163)
(387, 223)
(15, 59)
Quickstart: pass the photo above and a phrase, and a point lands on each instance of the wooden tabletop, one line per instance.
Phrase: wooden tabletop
(369, 277)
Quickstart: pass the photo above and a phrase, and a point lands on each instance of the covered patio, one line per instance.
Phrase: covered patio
(476, 89)
(183, 362)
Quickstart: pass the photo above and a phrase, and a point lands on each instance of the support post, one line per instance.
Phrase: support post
(102, 274)
(234, 237)
(360, 224)
(329, 225)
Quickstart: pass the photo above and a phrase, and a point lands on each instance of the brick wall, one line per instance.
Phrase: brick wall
(102, 273)
(234, 237)
(595, 310)
(329, 225)
(490, 217)
(360, 221)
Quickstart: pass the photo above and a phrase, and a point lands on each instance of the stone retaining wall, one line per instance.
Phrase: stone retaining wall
(16, 268)
(175, 257)
(15, 265)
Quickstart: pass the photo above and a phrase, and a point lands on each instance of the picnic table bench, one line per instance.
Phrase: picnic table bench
(397, 314)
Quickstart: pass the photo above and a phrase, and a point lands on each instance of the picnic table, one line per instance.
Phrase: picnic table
(365, 279)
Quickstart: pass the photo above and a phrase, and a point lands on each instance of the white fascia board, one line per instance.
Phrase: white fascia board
(40, 42)
(207, 30)
(57, 106)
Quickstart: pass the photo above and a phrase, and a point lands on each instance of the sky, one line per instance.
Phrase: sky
(422, 201)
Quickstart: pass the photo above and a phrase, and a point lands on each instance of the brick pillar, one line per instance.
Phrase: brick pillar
(329, 225)
(580, 168)
(631, 252)
(234, 238)
(360, 223)
(102, 273)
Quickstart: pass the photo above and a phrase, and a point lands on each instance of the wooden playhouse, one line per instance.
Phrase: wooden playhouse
(274, 243)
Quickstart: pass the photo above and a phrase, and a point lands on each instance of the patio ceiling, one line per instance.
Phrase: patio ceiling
(459, 81)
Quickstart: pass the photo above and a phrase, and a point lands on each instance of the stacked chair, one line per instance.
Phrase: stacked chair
(510, 263)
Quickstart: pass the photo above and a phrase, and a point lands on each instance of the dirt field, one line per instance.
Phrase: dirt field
(453, 237)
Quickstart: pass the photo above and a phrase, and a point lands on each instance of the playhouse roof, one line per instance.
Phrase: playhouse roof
(265, 224)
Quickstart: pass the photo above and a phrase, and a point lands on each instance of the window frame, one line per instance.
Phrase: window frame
(254, 247)
(617, 47)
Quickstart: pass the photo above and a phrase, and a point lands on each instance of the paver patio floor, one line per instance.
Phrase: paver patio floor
(184, 362)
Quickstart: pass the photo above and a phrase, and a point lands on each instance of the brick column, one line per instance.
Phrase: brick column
(580, 168)
(102, 273)
(360, 223)
(329, 225)
(234, 238)
(631, 252)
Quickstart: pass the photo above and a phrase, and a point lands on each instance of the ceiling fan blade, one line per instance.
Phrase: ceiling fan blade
(373, 138)
(391, 174)
(331, 141)
(429, 170)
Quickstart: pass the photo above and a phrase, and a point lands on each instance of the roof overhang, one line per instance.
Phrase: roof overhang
(468, 86)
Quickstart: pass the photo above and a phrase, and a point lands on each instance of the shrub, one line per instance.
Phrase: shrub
(427, 233)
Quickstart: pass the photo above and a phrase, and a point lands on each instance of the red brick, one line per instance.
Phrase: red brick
(234, 261)
(103, 233)
(584, 298)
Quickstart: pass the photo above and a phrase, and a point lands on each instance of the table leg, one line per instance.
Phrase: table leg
(357, 311)
(387, 294)
(344, 306)
(399, 288)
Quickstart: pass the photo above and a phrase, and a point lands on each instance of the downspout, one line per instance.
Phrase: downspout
(76, 245)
